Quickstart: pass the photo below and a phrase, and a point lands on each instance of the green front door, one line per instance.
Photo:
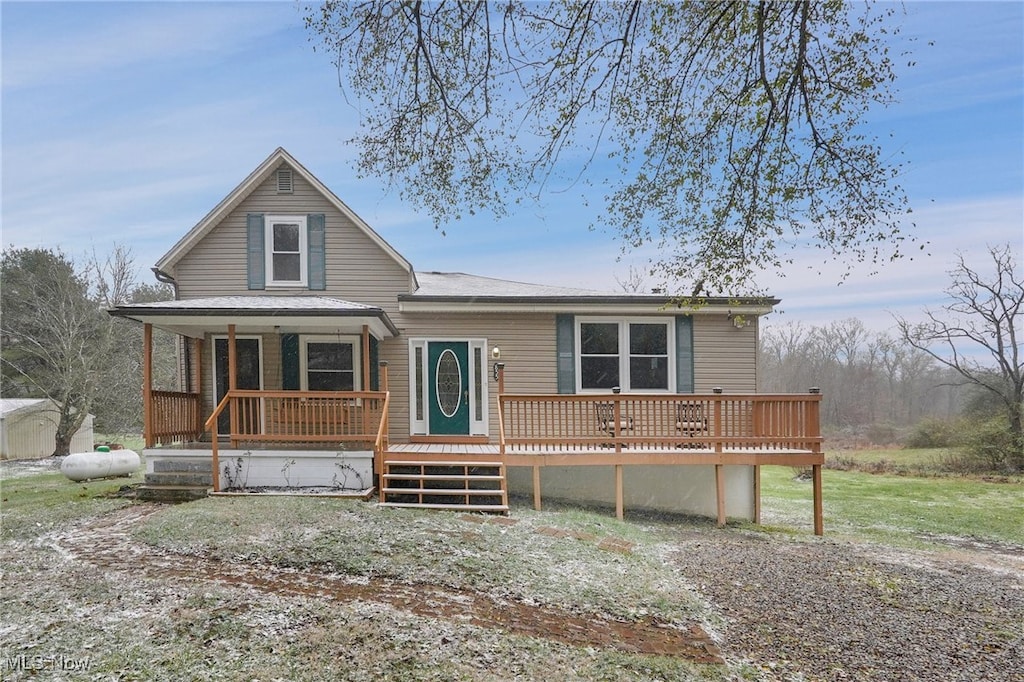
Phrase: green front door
(448, 387)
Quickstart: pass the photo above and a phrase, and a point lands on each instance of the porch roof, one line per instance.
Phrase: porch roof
(254, 314)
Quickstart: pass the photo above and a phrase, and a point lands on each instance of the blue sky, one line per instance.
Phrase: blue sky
(127, 122)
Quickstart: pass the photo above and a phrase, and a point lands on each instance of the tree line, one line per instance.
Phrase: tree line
(957, 377)
(57, 340)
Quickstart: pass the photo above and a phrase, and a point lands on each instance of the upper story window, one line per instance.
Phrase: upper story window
(632, 354)
(286, 250)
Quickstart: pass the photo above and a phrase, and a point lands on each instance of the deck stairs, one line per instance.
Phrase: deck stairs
(444, 483)
(176, 481)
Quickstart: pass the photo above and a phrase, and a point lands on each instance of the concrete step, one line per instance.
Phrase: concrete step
(169, 493)
(193, 479)
(182, 465)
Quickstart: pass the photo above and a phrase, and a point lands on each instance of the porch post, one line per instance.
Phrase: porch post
(819, 522)
(197, 367)
(232, 382)
(366, 357)
(147, 384)
(720, 493)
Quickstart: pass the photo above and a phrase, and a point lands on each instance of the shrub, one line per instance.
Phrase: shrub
(989, 446)
(932, 432)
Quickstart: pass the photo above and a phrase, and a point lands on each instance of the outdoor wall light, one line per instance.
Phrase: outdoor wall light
(496, 353)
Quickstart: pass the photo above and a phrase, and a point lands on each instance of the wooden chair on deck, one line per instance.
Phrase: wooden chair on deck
(690, 422)
(607, 424)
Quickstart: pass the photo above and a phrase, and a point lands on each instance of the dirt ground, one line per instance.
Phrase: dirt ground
(794, 609)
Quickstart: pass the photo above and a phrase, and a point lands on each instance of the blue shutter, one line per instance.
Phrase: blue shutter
(290, 380)
(684, 354)
(256, 258)
(565, 346)
(317, 252)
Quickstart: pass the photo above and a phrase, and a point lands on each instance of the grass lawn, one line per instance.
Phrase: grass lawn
(902, 510)
(36, 504)
(167, 628)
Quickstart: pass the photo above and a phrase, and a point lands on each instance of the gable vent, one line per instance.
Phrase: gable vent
(284, 181)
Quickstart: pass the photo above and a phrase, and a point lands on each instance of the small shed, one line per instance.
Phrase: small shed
(28, 429)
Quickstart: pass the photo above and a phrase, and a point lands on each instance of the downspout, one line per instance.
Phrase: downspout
(164, 278)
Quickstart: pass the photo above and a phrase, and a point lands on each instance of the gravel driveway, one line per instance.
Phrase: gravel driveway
(827, 610)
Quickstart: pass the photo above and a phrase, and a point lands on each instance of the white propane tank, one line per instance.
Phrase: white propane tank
(102, 463)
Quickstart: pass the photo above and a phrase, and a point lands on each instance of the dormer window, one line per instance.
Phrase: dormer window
(286, 250)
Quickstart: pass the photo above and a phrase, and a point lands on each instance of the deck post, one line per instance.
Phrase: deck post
(147, 384)
(536, 487)
(619, 512)
(819, 522)
(757, 494)
(720, 493)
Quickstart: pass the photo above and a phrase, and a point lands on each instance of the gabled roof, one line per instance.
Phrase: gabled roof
(8, 406)
(432, 284)
(455, 291)
(168, 261)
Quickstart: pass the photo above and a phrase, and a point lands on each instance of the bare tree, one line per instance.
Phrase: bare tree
(734, 128)
(58, 341)
(984, 315)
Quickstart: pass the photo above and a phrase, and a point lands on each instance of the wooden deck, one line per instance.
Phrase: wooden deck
(538, 457)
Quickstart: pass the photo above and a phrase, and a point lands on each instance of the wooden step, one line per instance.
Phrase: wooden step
(450, 507)
(443, 491)
(441, 477)
(440, 463)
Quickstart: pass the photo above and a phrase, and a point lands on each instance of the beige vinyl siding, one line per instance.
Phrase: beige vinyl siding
(723, 355)
(527, 344)
(357, 268)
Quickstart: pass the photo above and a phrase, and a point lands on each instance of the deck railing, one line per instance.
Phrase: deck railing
(175, 417)
(568, 423)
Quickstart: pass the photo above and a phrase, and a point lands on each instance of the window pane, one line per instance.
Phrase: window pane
(478, 389)
(599, 372)
(419, 383)
(286, 267)
(599, 338)
(329, 356)
(331, 381)
(648, 339)
(648, 373)
(286, 237)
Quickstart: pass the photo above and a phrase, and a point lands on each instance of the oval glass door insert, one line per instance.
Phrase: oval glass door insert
(448, 379)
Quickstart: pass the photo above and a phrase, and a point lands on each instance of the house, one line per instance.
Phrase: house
(316, 356)
(28, 429)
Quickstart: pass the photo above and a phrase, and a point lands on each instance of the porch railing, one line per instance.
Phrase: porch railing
(175, 417)
(720, 423)
(297, 417)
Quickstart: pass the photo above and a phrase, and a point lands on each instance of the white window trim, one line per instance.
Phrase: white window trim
(477, 427)
(303, 280)
(623, 324)
(357, 357)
